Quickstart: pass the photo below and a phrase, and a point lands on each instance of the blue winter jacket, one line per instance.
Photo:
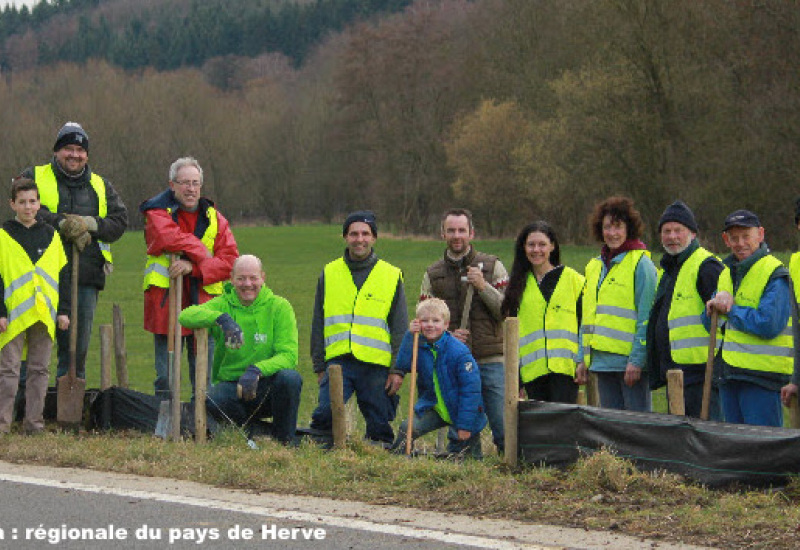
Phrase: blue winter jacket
(459, 379)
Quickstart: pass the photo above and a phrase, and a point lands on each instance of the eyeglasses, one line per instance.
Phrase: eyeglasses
(189, 183)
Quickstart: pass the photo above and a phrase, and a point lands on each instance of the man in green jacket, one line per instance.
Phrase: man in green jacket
(254, 373)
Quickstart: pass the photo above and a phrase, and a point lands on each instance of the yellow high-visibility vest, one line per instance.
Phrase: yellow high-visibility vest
(794, 272)
(609, 310)
(356, 320)
(48, 195)
(31, 290)
(688, 338)
(548, 331)
(156, 269)
(747, 351)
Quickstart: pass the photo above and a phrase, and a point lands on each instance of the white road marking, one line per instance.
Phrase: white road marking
(335, 521)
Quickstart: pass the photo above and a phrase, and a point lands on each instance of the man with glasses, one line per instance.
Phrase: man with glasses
(180, 221)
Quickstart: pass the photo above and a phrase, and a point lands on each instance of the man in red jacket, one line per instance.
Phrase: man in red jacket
(180, 221)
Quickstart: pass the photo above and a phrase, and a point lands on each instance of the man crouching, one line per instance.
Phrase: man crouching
(255, 357)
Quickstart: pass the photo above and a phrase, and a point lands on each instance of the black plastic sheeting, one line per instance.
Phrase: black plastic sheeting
(713, 453)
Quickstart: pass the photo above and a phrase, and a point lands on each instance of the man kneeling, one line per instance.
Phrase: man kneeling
(254, 373)
(448, 380)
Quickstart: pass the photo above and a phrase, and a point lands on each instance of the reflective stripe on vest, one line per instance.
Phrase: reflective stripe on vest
(48, 195)
(156, 269)
(744, 350)
(609, 308)
(355, 320)
(549, 330)
(31, 291)
(688, 338)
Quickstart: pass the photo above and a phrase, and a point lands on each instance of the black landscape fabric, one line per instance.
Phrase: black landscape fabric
(712, 453)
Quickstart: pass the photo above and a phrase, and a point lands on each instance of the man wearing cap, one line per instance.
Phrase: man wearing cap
(462, 272)
(359, 320)
(676, 337)
(757, 353)
(87, 211)
(181, 221)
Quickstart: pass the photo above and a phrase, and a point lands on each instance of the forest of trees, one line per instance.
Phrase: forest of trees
(517, 109)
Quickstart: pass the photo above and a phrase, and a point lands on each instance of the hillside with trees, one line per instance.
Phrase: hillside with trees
(518, 109)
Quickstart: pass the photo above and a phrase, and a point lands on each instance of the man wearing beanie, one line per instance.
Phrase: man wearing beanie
(359, 320)
(754, 297)
(86, 210)
(676, 337)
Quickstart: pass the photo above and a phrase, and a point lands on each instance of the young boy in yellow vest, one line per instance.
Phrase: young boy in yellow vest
(36, 297)
(448, 381)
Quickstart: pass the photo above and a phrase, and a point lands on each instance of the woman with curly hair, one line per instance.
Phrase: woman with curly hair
(620, 286)
(546, 297)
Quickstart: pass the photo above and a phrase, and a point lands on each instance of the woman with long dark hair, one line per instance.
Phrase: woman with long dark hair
(546, 297)
(620, 286)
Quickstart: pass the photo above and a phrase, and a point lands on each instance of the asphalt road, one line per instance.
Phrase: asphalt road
(43, 507)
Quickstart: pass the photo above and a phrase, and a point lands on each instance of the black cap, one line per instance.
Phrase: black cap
(366, 216)
(741, 218)
(679, 212)
(71, 134)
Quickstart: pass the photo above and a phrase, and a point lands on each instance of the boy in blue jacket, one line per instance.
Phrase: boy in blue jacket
(448, 381)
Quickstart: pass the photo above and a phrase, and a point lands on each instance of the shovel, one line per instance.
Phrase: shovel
(71, 388)
(712, 350)
(411, 391)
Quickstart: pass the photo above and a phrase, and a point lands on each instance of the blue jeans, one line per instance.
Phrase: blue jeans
(87, 303)
(277, 396)
(493, 390)
(368, 381)
(430, 421)
(161, 386)
(746, 403)
(615, 394)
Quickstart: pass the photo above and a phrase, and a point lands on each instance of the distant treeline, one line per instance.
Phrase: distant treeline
(517, 109)
(168, 34)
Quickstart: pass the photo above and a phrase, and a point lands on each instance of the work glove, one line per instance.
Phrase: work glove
(91, 223)
(232, 331)
(248, 383)
(82, 241)
(72, 227)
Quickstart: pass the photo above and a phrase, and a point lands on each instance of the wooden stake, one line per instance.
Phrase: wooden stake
(106, 341)
(712, 351)
(794, 413)
(175, 405)
(677, 405)
(120, 350)
(412, 391)
(336, 389)
(511, 412)
(592, 391)
(200, 384)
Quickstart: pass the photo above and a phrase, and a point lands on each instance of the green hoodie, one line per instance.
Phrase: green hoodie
(269, 333)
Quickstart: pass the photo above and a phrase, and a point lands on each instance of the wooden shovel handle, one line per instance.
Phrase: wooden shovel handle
(73, 325)
(411, 391)
(712, 351)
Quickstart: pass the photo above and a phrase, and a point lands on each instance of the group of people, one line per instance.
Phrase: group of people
(622, 320)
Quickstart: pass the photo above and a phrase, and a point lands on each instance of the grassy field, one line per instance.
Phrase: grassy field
(293, 259)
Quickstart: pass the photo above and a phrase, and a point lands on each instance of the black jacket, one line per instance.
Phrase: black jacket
(76, 196)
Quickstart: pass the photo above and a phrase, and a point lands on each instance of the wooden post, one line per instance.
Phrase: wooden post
(581, 400)
(794, 413)
(106, 341)
(200, 384)
(511, 412)
(175, 403)
(336, 389)
(677, 406)
(120, 351)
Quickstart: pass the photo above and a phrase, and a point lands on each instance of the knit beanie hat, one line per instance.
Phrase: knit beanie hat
(71, 134)
(366, 216)
(679, 212)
